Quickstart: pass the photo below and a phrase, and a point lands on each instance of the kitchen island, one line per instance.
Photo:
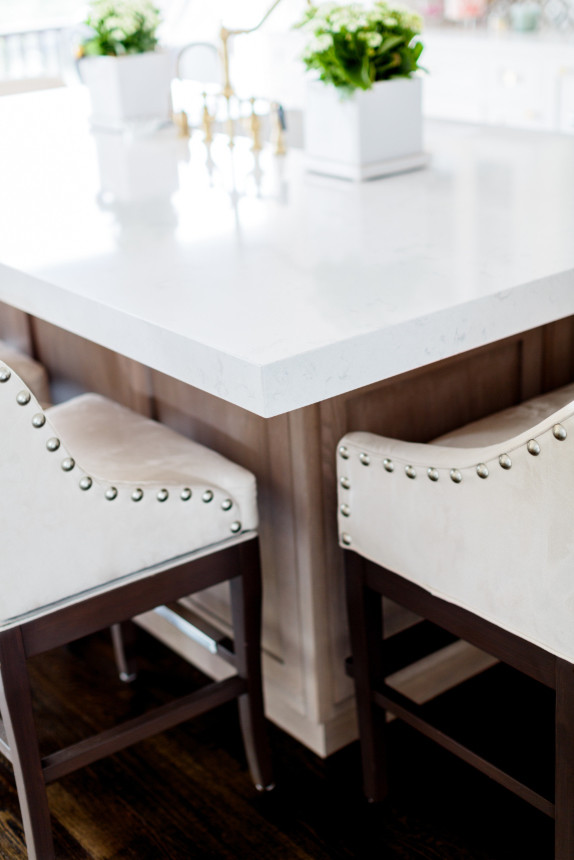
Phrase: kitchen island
(265, 311)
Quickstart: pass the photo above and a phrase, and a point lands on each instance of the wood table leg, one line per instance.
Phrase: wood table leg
(246, 613)
(366, 630)
(564, 779)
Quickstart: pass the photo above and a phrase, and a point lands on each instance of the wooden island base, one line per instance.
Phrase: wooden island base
(305, 633)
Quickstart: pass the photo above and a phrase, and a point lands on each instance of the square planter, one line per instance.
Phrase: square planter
(134, 88)
(371, 133)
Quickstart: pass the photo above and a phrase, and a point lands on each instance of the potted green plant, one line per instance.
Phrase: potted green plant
(127, 75)
(363, 115)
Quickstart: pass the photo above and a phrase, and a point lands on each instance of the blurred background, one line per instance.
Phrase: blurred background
(504, 62)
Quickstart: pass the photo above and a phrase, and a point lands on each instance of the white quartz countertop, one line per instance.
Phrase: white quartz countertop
(268, 286)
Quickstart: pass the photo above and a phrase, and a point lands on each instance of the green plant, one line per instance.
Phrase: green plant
(352, 47)
(121, 27)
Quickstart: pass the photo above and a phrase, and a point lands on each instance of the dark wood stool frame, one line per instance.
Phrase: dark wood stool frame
(237, 564)
(366, 582)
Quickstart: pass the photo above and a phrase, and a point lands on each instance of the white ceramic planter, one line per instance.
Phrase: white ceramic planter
(372, 133)
(134, 88)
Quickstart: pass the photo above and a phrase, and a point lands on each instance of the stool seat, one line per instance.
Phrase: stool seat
(114, 443)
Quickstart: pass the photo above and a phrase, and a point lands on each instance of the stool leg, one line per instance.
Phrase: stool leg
(366, 631)
(123, 639)
(564, 780)
(16, 708)
(246, 613)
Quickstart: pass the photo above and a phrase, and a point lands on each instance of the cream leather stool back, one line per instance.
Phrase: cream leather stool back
(32, 372)
(473, 532)
(129, 516)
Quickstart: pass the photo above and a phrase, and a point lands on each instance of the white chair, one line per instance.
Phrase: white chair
(106, 515)
(199, 62)
(472, 532)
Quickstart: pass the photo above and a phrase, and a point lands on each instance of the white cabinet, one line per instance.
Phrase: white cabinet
(520, 80)
(565, 113)
(455, 86)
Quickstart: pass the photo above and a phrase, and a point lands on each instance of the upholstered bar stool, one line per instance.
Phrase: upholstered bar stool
(472, 532)
(106, 515)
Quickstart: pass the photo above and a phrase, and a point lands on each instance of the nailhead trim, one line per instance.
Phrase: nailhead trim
(532, 446)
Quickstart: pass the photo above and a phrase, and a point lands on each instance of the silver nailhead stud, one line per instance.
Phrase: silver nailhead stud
(137, 495)
(433, 474)
(389, 465)
(345, 483)
(559, 432)
(162, 495)
(455, 476)
(533, 447)
(185, 494)
(344, 452)
(345, 510)
(365, 459)
(68, 464)
(5, 374)
(53, 444)
(235, 527)
(39, 420)
(410, 472)
(23, 397)
(505, 461)
(111, 493)
(482, 470)
(207, 496)
(85, 482)
(226, 505)
(346, 539)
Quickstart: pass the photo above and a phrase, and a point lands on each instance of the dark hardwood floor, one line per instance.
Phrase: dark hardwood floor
(187, 794)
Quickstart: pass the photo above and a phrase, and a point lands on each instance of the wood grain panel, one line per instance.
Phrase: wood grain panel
(16, 329)
(246, 439)
(89, 367)
(558, 368)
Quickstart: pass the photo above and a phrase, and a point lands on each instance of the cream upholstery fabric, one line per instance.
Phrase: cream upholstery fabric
(509, 422)
(61, 541)
(32, 372)
(500, 546)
